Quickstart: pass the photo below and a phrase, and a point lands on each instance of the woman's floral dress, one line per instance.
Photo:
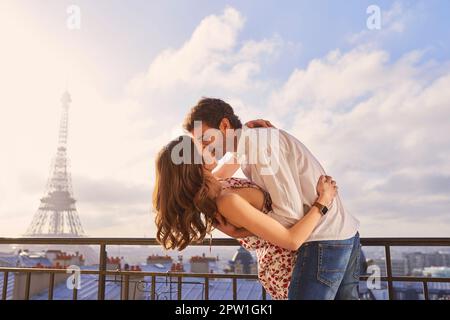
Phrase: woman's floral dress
(275, 264)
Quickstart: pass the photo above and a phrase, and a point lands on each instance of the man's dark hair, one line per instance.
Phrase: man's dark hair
(211, 111)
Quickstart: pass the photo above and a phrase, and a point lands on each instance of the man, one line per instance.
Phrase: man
(327, 265)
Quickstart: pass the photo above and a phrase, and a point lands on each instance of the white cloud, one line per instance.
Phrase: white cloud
(211, 58)
(347, 77)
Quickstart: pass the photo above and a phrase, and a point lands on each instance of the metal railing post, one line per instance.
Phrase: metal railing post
(234, 289)
(102, 272)
(126, 287)
(153, 293)
(387, 249)
(206, 288)
(51, 285)
(5, 285)
(27, 286)
(426, 295)
(179, 288)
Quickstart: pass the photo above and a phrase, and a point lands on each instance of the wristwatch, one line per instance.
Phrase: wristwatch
(323, 209)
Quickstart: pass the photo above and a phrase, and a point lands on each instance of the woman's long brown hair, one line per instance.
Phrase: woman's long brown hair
(184, 210)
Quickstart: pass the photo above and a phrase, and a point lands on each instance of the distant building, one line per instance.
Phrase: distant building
(399, 267)
(64, 259)
(127, 267)
(159, 259)
(52, 254)
(437, 272)
(201, 264)
(242, 263)
(114, 263)
(177, 266)
(49, 258)
(418, 261)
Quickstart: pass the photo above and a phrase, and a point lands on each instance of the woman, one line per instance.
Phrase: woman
(189, 200)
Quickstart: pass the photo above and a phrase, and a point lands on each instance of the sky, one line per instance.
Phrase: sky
(373, 105)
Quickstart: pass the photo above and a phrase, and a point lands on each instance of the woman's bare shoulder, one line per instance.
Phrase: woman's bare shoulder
(227, 198)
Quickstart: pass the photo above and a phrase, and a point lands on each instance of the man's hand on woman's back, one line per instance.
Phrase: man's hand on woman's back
(259, 123)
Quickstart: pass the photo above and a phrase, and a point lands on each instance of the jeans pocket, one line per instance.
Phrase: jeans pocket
(333, 262)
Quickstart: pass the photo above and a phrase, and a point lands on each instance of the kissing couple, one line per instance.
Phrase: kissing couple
(287, 209)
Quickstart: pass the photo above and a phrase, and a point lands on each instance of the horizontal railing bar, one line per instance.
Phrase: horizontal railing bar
(209, 275)
(215, 242)
(110, 241)
(406, 242)
(135, 273)
(43, 270)
(407, 279)
(187, 275)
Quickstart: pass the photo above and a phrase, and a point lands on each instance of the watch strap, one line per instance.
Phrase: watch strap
(323, 209)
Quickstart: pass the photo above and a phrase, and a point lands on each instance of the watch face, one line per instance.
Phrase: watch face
(324, 210)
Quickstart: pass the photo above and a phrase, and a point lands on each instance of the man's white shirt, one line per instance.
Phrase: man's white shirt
(284, 167)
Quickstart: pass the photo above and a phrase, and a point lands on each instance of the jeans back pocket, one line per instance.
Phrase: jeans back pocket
(332, 262)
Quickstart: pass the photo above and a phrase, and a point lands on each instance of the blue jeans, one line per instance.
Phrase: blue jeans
(326, 270)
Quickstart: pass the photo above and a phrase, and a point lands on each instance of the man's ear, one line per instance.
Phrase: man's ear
(224, 125)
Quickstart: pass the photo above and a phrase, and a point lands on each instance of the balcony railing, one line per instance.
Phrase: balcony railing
(125, 276)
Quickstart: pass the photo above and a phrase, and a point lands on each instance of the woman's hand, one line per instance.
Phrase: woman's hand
(326, 189)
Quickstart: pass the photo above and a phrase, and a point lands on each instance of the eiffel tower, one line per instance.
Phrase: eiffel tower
(57, 215)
